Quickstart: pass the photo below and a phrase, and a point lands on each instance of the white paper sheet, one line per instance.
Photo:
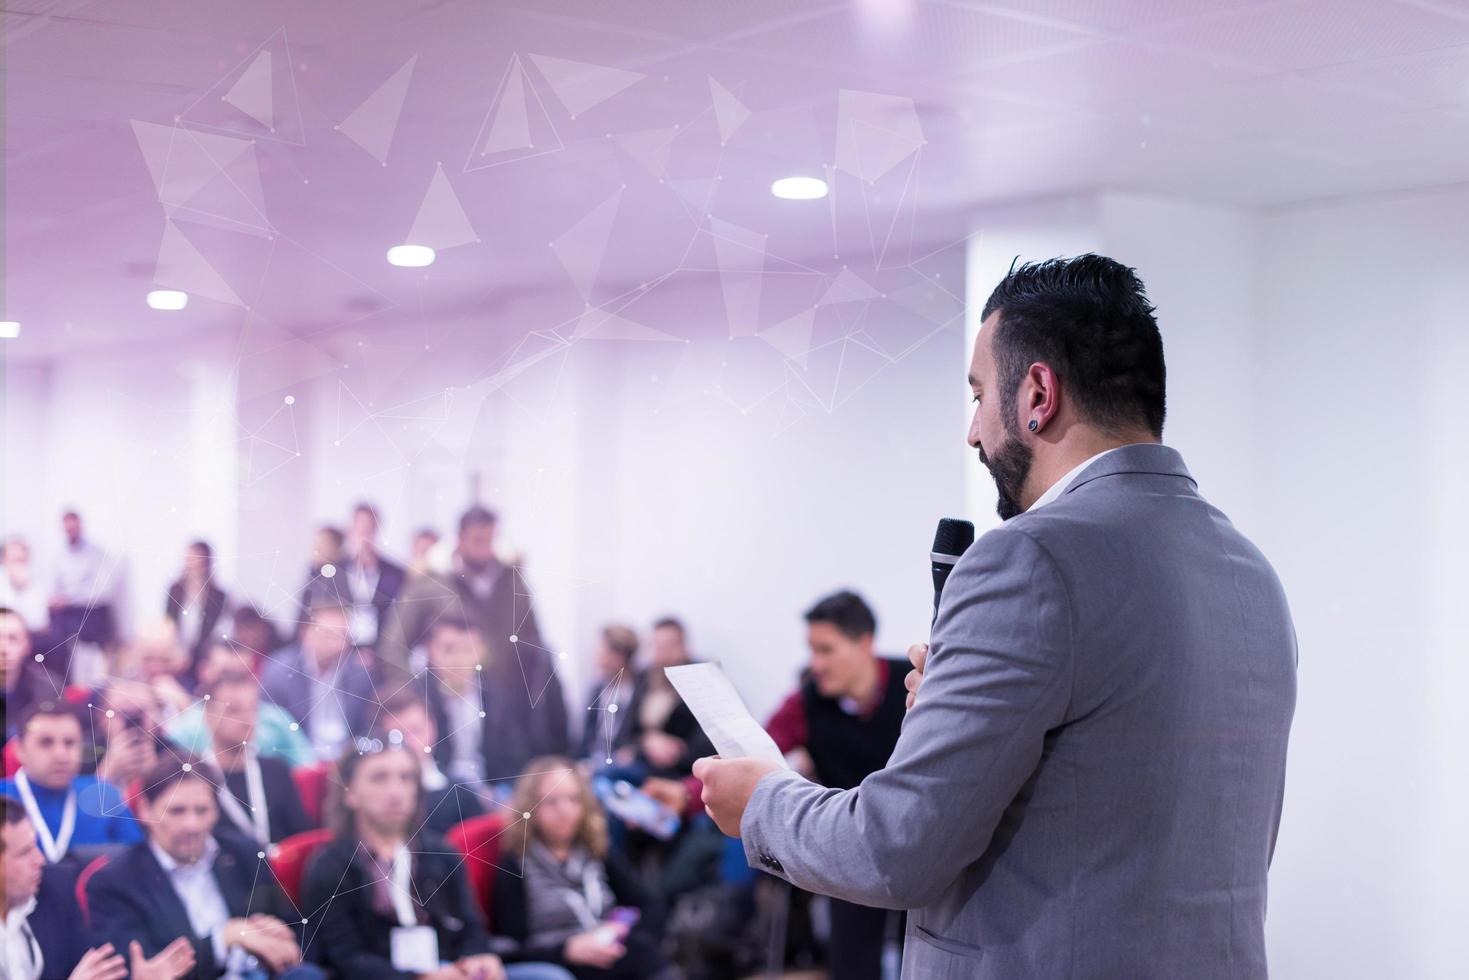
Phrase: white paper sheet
(721, 712)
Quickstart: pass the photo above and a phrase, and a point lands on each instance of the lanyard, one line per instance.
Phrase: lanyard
(402, 887)
(587, 904)
(257, 821)
(53, 847)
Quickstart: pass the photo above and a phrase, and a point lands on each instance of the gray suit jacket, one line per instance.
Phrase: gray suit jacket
(1090, 782)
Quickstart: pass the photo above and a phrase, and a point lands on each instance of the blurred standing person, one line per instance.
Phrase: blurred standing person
(328, 550)
(424, 540)
(195, 604)
(367, 582)
(525, 708)
(82, 595)
(19, 588)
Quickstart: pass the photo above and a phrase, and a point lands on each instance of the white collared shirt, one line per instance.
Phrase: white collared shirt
(1059, 487)
(199, 892)
(22, 955)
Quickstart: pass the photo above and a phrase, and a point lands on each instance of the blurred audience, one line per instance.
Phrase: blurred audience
(44, 931)
(187, 881)
(525, 712)
(25, 681)
(571, 899)
(258, 796)
(195, 603)
(275, 734)
(128, 743)
(68, 809)
(395, 899)
(614, 700)
(455, 689)
(405, 719)
(367, 582)
(155, 657)
(20, 588)
(322, 682)
(252, 633)
(422, 545)
(669, 737)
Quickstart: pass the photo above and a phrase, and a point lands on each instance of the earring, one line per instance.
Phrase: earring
(1033, 425)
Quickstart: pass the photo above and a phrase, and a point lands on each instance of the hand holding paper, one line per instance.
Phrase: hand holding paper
(721, 713)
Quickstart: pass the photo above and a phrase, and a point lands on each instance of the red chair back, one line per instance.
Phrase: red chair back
(289, 859)
(12, 759)
(478, 839)
(93, 866)
(311, 783)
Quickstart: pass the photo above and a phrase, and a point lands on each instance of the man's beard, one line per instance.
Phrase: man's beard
(1009, 467)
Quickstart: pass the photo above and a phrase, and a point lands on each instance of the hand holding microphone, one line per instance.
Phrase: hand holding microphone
(950, 541)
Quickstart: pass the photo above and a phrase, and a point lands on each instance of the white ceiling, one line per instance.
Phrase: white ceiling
(128, 154)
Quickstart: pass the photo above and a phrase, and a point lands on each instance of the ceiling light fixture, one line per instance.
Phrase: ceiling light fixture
(168, 299)
(411, 256)
(9, 329)
(799, 188)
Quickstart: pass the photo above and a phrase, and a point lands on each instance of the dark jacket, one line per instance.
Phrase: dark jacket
(511, 915)
(604, 733)
(282, 799)
(391, 578)
(285, 682)
(133, 898)
(524, 707)
(56, 921)
(355, 941)
(214, 603)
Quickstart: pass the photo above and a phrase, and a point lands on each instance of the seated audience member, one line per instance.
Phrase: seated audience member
(613, 700)
(394, 901)
(571, 900)
(276, 732)
(26, 681)
(157, 658)
(669, 738)
(322, 682)
(186, 881)
(129, 730)
(195, 603)
(44, 932)
(19, 588)
(406, 718)
(67, 808)
(258, 797)
(456, 697)
(253, 634)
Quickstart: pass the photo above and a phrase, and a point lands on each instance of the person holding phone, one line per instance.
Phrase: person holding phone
(572, 900)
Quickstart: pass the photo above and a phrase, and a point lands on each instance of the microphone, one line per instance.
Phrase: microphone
(950, 541)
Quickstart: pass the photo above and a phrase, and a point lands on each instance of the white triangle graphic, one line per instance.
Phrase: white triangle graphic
(848, 287)
(601, 325)
(510, 129)
(181, 266)
(581, 246)
(373, 123)
(579, 85)
(441, 221)
(792, 336)
(251, 93)
(729, 111)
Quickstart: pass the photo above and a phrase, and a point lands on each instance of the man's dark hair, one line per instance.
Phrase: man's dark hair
(14, 813)
(48, 709)
(621, 640)
(846, 611)
(671, 622)
(323, 606)
(456, 623)
(171, 771)
(477, 514)
(363, 507)
(204, 548)
(229, 677)
(1090, 319)
(333, 532)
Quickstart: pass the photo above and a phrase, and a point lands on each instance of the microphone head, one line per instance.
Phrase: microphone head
(953, 536)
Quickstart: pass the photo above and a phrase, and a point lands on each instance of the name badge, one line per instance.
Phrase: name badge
(415, 949)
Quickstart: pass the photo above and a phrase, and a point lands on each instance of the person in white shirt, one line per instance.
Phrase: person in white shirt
(83, 590)
(42, 923)
(19, 588)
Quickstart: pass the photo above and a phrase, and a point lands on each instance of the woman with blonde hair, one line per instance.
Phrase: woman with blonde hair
(562, 894)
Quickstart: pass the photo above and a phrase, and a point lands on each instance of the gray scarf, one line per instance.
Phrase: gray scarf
(563, 899)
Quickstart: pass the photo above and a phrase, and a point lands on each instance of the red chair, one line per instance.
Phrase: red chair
(289, 859)
(478, 839)
(12, 759)
(311, 783)
(94, 866)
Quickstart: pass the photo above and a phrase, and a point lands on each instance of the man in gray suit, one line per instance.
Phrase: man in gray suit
(1089, 780)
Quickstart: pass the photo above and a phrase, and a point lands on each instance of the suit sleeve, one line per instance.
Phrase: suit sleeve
(118, 915)
(339, 939)
(999, 677)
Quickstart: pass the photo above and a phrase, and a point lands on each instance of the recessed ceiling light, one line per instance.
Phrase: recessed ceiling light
(799, 188)
(9, 329)
(411, 256)
(168, 299)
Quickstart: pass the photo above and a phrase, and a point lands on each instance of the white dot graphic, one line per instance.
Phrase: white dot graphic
(109, 713)
(514, 638)
(290, 399)
(260, 854)
(328, 570)
(612, 709)
(295, 727)
(40, 658)
(188, 767)
(525, 816)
